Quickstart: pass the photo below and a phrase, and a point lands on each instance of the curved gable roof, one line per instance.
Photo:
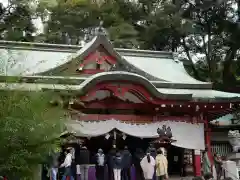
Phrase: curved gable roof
(75, 59)
(155, 66)
(131, 77)
(49, 59)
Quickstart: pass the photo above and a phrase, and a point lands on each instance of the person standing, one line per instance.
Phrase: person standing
(138, 156)
(148, 166)
(152, 150)
(206, 163)
(84, 158)
(218, 165)
(67, 165)
(73, 166)
(100, 165)
(54, 165)
(127, 163)
(161, 166)
(184, 167)
(110, 160)
(117, 166)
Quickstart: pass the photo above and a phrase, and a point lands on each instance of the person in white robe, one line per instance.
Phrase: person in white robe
(148, 166)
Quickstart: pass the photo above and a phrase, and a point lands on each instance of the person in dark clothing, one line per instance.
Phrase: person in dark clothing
(110, 159)
(100, 165)
(218, 165)
(152, 150)
(117, 166)
(84, 158)
(138, 156)
(127, 163)
(184, 167)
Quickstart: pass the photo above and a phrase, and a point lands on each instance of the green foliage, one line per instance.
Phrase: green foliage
(29, 129)
(209, 28)
(16, 20)
(64, 27)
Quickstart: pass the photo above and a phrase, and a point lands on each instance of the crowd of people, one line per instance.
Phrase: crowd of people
(115, 165)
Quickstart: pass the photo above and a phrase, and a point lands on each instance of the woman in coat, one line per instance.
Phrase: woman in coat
(117, 166)
(148, 166)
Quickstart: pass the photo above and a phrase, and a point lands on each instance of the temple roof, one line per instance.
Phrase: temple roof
(42, 65)
(37, 58)
(84, 84)
(227, 120)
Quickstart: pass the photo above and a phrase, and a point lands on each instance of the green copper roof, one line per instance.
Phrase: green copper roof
(203, 93)
(196, 94)
(35, 58)
(224, 120)
(207, 95)
(164, 68)
(27, 62)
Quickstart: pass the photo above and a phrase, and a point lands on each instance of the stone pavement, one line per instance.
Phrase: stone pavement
(180, 178)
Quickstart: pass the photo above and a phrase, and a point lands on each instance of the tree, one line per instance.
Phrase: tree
(70, 22)
(17, 18)
(16, 21)
(29, 128)
(209, 28)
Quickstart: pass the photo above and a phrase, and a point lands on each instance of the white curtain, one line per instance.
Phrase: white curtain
(187, 135)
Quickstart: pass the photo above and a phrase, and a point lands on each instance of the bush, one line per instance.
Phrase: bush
(29, 130)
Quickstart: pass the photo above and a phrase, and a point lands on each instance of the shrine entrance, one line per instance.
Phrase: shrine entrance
(175, 156)
(131, 142)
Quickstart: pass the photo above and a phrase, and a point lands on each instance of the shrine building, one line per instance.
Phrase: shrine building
(130, 92)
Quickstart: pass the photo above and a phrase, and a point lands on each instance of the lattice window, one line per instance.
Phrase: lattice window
(223, 149)
(188, 156)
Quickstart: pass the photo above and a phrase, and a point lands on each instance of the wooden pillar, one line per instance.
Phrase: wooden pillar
(197, 162)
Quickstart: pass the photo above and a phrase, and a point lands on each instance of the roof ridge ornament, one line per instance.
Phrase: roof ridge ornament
(100, 30)
(165, 136)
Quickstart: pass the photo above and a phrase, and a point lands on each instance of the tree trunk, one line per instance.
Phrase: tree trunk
(228, 76)
(186, 49)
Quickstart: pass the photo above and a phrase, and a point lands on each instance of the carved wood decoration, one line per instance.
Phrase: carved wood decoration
(165, 137)
(103, 95)
(98, 61)
(120, 89)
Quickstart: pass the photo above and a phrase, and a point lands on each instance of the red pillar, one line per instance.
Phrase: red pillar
(197, 162)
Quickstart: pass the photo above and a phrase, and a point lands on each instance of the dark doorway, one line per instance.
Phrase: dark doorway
(175, 160)
(131, 142)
